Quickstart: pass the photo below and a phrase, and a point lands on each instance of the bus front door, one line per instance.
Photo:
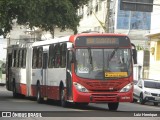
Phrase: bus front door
(44, 75)
(8, 74)
(69, 75)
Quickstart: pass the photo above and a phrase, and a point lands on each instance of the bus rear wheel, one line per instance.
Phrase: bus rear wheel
(113, 106)
(15, 94)
(39, 99)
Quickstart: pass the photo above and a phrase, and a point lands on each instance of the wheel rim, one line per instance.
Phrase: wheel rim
(62, 97)
(14, 90)
(141, 98)
(38, 96)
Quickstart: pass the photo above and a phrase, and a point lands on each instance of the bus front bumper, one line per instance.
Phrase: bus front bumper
(103, 97)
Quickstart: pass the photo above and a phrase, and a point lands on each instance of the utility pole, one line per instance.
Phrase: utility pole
(107, 15)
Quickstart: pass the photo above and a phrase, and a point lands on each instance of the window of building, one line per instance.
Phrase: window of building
(134, 20)
(96, 8)
(100, 5)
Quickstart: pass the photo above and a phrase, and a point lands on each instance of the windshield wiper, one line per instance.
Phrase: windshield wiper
(90, 58)
(113, 53)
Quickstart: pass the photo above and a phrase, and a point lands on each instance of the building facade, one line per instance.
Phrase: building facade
(154, 42)
(20, 34)
(135, 24)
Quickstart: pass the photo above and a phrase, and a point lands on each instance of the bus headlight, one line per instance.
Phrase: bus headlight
(126, 88)
(80, 87)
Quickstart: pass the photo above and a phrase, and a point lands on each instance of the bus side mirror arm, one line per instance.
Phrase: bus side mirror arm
(134, 53)
(134, 56)
(71, 56)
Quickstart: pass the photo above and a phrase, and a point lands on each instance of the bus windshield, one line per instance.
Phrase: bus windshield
(103, 63)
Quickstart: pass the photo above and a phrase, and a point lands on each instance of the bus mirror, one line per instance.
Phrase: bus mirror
(71, 56)
(134, 53)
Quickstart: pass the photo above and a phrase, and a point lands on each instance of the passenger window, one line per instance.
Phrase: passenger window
(63, 55)
(24, 58)
(57, 56)
(14, 58)
(34, 58)
(20, 58)
(17, 58)
(51, 63)
(39, 57)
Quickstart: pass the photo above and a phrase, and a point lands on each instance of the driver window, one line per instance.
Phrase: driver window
(82, 58)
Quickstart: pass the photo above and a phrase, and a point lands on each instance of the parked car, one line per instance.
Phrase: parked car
(147, 91)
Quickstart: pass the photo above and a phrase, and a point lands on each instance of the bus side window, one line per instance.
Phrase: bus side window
(17, 58)
(51, 63)
(134, 53)
(39, 57)
(63, 55)
(34, 58)
(14, 58)
(20, 58)
(57, 56)
(23, 58)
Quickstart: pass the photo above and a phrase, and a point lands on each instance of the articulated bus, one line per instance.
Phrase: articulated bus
(82, 69)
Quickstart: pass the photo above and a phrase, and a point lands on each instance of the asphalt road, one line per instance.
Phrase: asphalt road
(53, 109)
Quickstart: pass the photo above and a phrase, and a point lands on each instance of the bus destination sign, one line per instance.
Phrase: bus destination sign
(101, 40)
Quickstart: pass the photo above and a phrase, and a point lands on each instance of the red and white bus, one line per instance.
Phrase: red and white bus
(83, 68)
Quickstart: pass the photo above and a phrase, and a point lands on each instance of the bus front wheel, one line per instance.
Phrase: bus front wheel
(113, 106)
(81, 104)
(62, 98)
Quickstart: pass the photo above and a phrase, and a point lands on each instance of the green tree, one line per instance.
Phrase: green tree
(45, 14)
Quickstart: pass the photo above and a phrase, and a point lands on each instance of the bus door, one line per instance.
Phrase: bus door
(8, 74)
(44, 74)
(69, 74)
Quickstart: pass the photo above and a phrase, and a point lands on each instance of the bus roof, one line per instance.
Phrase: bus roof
(72, 38)
(52, 41)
